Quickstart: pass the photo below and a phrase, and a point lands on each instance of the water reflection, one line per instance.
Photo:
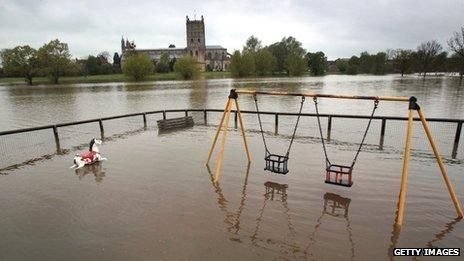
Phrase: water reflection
(338, 207)
(334, 206)
(96, 169)
(232, 218)
(396, 231)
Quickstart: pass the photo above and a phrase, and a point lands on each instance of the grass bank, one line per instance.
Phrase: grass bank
(108, 78)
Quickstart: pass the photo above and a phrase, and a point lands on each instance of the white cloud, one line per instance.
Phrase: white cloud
(339, 28)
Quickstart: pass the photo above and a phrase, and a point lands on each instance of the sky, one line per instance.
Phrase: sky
(336, 27)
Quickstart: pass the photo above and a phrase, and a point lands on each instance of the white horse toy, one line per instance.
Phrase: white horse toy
(89, 157)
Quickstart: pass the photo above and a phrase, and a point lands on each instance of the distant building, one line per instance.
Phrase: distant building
(210, 57)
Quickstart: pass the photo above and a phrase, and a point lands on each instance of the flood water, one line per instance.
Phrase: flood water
(155, 199)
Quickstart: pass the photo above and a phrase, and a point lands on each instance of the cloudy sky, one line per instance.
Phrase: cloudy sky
(338, 28)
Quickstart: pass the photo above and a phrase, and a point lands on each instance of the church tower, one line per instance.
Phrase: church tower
(196, 46)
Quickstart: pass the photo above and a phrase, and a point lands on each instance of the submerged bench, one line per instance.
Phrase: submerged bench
(175, 123)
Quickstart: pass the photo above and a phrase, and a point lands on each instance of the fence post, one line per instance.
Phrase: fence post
(329, 127)
(102, 130)
(382, 133)
(164, 115)
(144, 120)
(235, 118)
(276, 123)
(205, 116)
(186, 113)
(456, 140)
(57, 139)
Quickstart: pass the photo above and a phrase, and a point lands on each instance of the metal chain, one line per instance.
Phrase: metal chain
(296, 126)
(260, 124)
(327, 161)
(376, 103)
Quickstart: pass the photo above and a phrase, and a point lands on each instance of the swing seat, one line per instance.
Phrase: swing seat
(276, 163)
(339, 175)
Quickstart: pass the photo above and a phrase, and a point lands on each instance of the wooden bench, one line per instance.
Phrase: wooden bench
(175, 123)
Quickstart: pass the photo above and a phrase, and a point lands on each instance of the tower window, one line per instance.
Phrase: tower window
(191, 40)
(191, 53)
(196, 53)
(198, 39)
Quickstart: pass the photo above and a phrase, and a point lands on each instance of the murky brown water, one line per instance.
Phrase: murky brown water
(154, 198)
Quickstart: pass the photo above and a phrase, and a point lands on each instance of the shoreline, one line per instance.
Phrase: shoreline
(171, 76)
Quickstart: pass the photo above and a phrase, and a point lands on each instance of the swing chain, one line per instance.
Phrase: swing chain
(376, 104)
(296, 126)
(260, 124)
(327, 161)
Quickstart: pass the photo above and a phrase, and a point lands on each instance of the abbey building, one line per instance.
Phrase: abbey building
(210, 57)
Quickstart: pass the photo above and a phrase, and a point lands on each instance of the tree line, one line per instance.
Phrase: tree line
(288, 57)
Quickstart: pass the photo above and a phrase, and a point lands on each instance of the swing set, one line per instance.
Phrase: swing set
(335, 174)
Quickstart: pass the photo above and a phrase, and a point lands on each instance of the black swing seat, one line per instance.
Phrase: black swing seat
(276, 163)
(339, 175)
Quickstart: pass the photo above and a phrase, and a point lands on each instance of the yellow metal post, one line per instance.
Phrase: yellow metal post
(217, 132)
(223, 142)
(242, 128)
(444, 173)
(404, 176)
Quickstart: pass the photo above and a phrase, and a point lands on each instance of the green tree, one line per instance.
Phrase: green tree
(295, 64)
(116, 63)
(342, 65)
(379, 62)
(402, 60)
(366, 63)
(21, 61)
(162, 66)
(242, 64)
(426, 54)
(281, 50)
(55, 59)
(317, 63)
(265, 62)
(252, 45)
(456, 44)
(187, 67)
(138, 66)
(353, 65)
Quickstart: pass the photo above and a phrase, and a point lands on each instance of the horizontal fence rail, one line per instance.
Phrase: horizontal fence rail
(330, 117)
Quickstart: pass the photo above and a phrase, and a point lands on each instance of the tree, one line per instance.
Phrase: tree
(456, 44)
(317, 63)
(426, 54)
(55, 59)
(138, 66)
(342, 65)
(281, 50)
(21, 61)
(402, 60)
(116, 63)
(379, 63)
(366, 62)
(252, 45)
(295, 64)
(162, 66)
(242, 64)
(265, 62)
(440, 62)
(187, 67)
(353, 65)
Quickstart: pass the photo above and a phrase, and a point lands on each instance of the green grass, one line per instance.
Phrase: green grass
(109, 78)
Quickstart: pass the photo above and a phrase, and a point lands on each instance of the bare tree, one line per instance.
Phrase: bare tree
(456, 44)
(427, 52)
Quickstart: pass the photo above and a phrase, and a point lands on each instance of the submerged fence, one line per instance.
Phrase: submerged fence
(140, 120)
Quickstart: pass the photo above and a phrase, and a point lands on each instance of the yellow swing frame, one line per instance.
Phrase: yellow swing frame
(413, 106)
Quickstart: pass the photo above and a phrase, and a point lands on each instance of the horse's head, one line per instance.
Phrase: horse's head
(93, 144)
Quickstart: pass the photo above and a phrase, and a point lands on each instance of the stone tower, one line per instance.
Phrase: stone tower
(196, 46)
